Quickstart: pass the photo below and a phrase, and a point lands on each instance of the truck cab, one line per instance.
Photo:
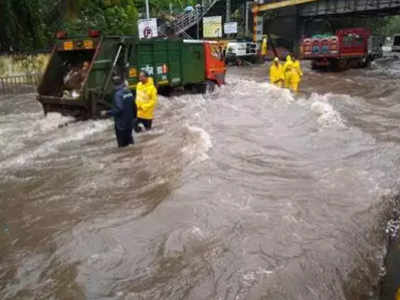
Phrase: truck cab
(396, 43)
(349, 47)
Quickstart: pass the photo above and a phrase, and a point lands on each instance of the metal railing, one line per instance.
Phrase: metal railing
(19, 84)
(189, 19)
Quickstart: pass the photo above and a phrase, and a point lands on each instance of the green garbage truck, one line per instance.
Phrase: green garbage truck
(77, 80)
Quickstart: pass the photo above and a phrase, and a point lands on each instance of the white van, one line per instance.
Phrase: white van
(396, 43)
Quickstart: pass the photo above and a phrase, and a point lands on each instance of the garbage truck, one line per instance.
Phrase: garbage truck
(77, 80)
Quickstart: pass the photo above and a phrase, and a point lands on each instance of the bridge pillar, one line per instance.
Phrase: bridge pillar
(300, 26)
(258, 22)
(228, 11)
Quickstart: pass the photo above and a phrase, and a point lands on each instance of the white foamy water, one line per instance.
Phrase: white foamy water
(248, 193)
(198, 144)
(55, 137)
(327, 115)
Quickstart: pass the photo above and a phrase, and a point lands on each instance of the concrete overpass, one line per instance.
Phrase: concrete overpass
(293, 18)
(312, 8)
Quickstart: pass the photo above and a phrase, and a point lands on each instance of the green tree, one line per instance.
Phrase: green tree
(110, 16)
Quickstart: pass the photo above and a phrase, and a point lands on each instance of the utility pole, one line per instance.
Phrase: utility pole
(147, 10)
(228, 12)
(247, 18)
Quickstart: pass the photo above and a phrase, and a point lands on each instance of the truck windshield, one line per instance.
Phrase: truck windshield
(396, 40)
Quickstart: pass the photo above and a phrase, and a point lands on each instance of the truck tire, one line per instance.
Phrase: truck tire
(366, 62)
(314, 65)
(341, 65)
(209, 87)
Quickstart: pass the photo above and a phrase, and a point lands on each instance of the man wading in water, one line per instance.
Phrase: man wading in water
(122, 111)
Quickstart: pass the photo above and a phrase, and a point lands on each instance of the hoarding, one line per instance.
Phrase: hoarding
(147, 28)
(212, 27)
(230, 27)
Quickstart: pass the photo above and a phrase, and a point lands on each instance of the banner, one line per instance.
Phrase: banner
(230, 27)
(147, 28)
(212, 27)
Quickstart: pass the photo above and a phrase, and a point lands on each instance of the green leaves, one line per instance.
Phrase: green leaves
(113, 17)
(28, 25)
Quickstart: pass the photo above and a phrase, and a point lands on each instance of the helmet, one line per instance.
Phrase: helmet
(117, 80)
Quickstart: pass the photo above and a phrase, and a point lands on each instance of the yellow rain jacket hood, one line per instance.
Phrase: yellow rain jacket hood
(276, 73)
(146, 99)
(297, 67)
(288, 64)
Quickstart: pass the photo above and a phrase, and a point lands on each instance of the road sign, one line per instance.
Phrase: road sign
(212, 27)
(147, 28)
(230, 27)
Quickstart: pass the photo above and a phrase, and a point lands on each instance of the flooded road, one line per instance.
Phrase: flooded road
(249, 193)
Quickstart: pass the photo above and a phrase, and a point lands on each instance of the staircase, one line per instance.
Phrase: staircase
(188, 19)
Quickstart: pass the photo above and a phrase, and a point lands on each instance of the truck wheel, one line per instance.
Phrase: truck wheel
(342, 65)
(366, 62)
(209, 87)
(314, 66)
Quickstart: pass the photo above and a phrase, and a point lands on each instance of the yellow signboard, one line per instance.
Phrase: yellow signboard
(279, 4)
(132, 72)
(68, 45)
(212, 27)
(88, 44)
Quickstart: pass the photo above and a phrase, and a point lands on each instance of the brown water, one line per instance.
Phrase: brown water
(249, 193)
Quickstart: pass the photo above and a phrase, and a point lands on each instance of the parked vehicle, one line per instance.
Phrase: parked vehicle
(352, 47)
(171, 63)
(237, 51)
(396, 43)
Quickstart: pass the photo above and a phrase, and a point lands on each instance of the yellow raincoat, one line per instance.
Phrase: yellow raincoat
(146, 99)
(296, 75)
(276, 75)
(264, 46)
(287, 71)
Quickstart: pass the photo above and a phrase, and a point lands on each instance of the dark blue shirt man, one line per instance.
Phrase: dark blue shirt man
(122, 111)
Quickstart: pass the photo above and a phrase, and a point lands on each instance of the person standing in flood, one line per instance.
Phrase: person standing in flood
(276, 76)
(296, 76)
(146, 101)
(122, 111)
(287, 71)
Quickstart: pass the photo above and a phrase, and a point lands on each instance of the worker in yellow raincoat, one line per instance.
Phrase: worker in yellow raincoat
(264, 46)
(276, 76)
(146, 101)
(296, 75)
(287, 71)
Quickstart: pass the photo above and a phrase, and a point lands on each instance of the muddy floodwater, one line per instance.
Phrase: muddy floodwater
(248, 193)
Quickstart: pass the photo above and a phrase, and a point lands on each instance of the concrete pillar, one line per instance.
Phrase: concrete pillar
(300, 30)
(228, 11)
(247, 18)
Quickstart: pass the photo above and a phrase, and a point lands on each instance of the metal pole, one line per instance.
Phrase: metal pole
(247, 19)
(147, 10)
(198, 29)
(228, 11)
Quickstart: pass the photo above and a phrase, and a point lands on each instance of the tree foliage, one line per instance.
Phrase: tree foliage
(115, 17)
(28, 25)
(25, 24)
(391, 26)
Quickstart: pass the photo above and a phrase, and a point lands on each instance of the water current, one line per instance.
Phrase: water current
(248, 193)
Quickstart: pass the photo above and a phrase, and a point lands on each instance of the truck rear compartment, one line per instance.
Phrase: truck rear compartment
(60, 64)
